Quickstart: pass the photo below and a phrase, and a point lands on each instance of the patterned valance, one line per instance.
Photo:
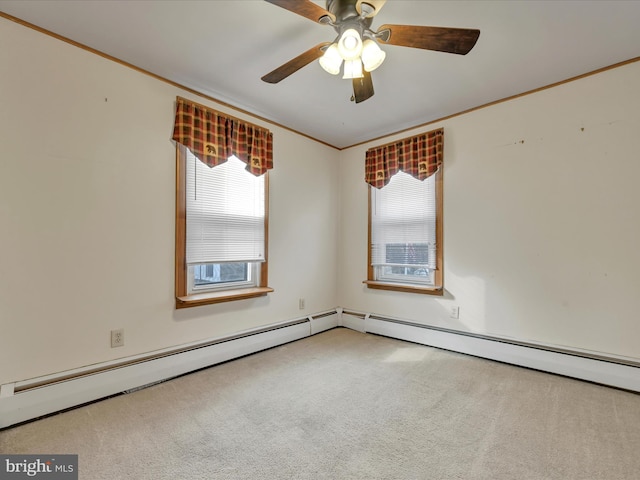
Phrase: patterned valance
(419, 156)
(213, 137)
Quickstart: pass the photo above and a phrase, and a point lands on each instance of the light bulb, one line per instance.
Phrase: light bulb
(350, 44)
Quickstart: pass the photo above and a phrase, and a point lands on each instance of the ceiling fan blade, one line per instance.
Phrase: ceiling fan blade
(363, 87)
(376, 4)
(442, 39)
(292, 66)
(306, 8)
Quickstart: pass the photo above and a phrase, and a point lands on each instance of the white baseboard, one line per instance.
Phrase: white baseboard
(26, 400)
(613, 371)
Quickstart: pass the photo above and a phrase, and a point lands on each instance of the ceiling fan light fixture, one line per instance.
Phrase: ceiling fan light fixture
(350, 44)
(372, 55)
(353, 69)
(331, 60)
(358, 46)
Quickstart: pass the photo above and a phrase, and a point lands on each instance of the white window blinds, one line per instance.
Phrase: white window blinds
(225, 213)
(403, 223)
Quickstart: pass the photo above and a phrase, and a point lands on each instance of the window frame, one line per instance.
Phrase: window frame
(183, 298)
(438, 287)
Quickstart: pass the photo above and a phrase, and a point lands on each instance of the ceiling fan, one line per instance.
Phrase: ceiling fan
(358, 46)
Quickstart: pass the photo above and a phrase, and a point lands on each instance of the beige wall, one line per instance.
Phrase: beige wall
(541, 228)
(541, 219)
(87, 214)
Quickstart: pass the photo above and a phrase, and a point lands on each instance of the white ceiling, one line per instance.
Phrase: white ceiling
(223, 48)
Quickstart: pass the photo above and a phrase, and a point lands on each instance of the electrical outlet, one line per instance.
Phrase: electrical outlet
(301, 303)
(455, 312)
(117, 338)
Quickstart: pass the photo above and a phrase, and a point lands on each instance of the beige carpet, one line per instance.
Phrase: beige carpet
(347, 405)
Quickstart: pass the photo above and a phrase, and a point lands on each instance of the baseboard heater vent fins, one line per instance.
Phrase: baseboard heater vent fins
(323, 315)
(361, 315)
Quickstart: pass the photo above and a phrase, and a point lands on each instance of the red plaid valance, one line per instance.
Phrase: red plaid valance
(213, 137)
(419, 156)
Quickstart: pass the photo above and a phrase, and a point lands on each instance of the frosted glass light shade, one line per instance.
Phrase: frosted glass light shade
(372, 55)
(331, 60)
(353, 69)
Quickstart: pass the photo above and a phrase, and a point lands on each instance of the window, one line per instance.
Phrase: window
(405, 234)
(221, 234)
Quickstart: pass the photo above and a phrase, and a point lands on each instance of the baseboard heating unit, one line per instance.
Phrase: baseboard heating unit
(614, 371)
(34, 398)
(26, 400)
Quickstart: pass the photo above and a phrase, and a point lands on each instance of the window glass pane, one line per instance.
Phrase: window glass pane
(217, 273)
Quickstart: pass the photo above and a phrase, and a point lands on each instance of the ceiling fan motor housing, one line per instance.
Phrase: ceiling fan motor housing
(345, 11)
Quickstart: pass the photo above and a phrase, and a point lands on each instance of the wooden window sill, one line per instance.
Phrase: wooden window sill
(209, 298)
(403, 287)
